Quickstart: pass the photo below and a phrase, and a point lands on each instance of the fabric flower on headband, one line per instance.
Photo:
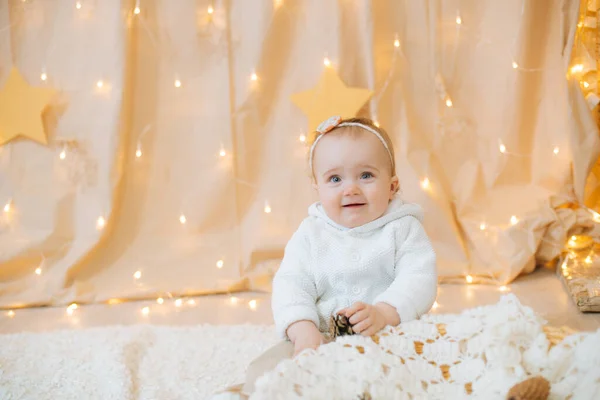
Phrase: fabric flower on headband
(329, 124)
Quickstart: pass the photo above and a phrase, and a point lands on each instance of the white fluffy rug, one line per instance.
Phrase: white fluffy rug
(137, 362)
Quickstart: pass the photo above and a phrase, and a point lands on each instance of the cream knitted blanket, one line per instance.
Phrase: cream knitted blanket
(478, 354)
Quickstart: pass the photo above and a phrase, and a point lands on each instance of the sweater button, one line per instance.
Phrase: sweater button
(355, 289)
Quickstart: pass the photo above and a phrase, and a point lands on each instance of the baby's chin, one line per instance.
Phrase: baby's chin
(356, 220)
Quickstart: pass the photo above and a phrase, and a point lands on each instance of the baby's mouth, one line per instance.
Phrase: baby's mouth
(353, 205)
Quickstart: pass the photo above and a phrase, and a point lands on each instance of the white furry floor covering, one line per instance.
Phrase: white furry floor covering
(138, 362)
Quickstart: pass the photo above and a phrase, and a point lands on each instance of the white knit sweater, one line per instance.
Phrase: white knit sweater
(327, 267)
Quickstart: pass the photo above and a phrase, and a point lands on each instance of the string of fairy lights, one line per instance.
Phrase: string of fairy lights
(578, 70)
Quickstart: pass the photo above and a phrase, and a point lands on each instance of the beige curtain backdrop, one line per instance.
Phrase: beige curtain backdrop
(179, 132)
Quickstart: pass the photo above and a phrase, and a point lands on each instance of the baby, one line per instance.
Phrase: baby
(362, 252)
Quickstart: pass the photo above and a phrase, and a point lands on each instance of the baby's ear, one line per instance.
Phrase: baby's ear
(394, 186)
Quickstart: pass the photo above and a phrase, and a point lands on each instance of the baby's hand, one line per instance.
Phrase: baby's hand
(365, 318)
(304, 335)
(310, 340)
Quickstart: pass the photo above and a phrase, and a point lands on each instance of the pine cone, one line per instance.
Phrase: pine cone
(536, 388)
(339, 326)
(365, 396)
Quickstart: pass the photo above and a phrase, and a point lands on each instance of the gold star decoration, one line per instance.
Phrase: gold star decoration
(330, 97)
(21, 107)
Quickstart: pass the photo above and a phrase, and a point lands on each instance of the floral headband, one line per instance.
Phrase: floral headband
(335, 122)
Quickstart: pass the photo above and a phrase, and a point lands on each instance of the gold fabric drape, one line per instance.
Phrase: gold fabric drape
(180, 173)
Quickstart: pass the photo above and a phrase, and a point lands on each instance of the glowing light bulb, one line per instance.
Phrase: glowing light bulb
(211, 10)
(435, 305)
(556, 150)
(586, 85)
(233, 300)
(43, 76)
(137, 275)
(136, 10)
(252, 304)
(396, 42)
(63, 154)
(588, 260)
(220, 264)
(160, 300)
(502, 148)
(10, 313)
(38, 271)
(458, 20)
(469, 279)
(425, 184)
(7, 207)
(71, 309)
(178, 303)
(267, 208)
(448, 102)
(182, 219)
(503, 288)
(514, 220)
(191, 302)
(254, 77)
(78, 5)
(576, 68)
(177, 83)
(482, 226)
(302, 138)
(222, 153)
(100, 223)
(572, 241)
(100, 83)
(138, 152)
(327, 62)
(515, 65)
(146, 311)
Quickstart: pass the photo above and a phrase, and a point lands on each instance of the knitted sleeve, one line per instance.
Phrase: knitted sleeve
(294, 290)
(414, 288)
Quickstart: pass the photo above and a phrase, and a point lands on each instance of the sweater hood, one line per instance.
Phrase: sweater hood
(396, 209)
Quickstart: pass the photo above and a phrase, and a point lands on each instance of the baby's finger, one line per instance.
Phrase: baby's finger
(350, 311)
(358, 317)
(370, 331)
(361, 326)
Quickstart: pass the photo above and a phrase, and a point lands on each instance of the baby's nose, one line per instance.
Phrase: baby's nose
(351, 188)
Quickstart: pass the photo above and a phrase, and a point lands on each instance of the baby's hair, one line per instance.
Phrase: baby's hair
(355, 131)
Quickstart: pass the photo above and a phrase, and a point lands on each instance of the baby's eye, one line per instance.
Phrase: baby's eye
(335, 179)
(366, 175)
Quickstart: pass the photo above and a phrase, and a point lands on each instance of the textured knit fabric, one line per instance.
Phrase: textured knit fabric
(327, 267)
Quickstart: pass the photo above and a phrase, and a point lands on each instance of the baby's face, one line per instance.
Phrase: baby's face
(353, 177)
